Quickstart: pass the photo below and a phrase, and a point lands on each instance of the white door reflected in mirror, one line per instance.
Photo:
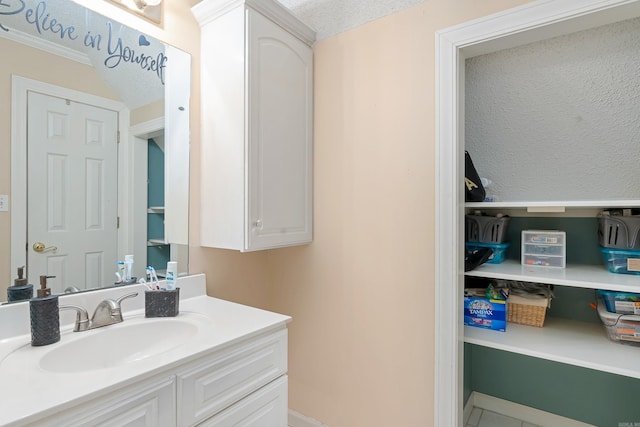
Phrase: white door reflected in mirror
(72, 166)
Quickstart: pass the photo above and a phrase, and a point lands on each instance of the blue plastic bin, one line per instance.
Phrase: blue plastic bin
(499, 250)
(620, 302)
(621, 261)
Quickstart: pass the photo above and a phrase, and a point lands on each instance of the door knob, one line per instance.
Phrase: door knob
(40, 247)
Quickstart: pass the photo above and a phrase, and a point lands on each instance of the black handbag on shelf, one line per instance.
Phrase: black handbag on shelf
(477, 257)
(473, 188)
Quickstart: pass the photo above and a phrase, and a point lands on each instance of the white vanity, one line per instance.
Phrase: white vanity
(216, 364)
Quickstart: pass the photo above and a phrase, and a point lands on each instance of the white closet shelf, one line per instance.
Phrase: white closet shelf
(156, 242)
(155, 209)
(567, 341)
(556, 206)
(575, 275)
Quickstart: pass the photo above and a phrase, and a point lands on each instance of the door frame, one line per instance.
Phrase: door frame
(535, 21)
(20, 86)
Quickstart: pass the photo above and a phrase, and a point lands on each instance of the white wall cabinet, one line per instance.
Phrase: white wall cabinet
(257, 125)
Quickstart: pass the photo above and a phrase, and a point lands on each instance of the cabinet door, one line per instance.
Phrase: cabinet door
(279, 175)
(267, 407)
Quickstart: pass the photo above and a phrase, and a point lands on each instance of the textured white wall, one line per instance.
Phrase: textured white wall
(559, 119)
(330, 17)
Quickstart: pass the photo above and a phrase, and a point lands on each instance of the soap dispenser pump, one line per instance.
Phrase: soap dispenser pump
(20, 290)
(44, 291)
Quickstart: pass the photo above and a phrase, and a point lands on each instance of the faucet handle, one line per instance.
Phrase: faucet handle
(117, 310)
(124, 297)
(82, 317)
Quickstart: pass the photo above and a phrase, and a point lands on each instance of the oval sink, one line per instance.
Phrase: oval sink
(132, 340)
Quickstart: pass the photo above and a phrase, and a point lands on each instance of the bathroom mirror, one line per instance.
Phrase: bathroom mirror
(98, 131)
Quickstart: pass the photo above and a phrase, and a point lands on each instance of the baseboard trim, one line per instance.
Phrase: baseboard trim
(521, 412)
(468, 408)
(296, 419)
(482, 401)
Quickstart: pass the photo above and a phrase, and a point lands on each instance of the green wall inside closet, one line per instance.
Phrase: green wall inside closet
(594, 397)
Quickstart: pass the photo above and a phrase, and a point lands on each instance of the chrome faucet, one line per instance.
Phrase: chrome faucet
(107, 312)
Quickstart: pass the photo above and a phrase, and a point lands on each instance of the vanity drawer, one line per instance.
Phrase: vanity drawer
(213, 384)
(267, 407)
(151, 404)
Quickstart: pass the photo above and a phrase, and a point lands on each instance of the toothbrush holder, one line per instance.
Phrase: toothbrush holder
(162, 303)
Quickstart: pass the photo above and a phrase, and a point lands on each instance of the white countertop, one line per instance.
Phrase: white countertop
(28, 392)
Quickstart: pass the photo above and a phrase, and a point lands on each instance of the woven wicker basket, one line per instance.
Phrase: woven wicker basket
(527, 312)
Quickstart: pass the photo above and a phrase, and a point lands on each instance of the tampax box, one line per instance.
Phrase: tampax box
(483, 312)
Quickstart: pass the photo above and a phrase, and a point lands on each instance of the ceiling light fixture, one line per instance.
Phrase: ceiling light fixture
(142, 4)
(150, 9)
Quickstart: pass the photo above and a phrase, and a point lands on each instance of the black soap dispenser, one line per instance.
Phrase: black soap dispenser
(45, 316)
(20, 290)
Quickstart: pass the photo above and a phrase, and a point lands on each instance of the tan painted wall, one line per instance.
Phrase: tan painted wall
(361, 348)
(147, 112)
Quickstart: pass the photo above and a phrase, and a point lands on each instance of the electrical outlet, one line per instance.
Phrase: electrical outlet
(4, 203)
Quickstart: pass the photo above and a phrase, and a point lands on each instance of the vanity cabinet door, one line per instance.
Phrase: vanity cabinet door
(267, 407)
(151, 404)
(209, 386)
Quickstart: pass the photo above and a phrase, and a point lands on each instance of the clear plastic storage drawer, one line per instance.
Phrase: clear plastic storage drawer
(544, 248)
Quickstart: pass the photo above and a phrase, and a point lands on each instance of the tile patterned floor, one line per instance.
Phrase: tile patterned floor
(484, 418)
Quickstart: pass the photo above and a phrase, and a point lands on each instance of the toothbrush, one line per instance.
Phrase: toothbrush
(121, 268)
(149, 278)
(142, 281)
(153, 277)
(149, 286)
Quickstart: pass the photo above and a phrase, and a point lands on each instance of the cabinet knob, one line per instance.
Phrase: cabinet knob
(257, 224)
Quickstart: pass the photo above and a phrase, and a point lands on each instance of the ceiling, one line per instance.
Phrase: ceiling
(330, 17)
